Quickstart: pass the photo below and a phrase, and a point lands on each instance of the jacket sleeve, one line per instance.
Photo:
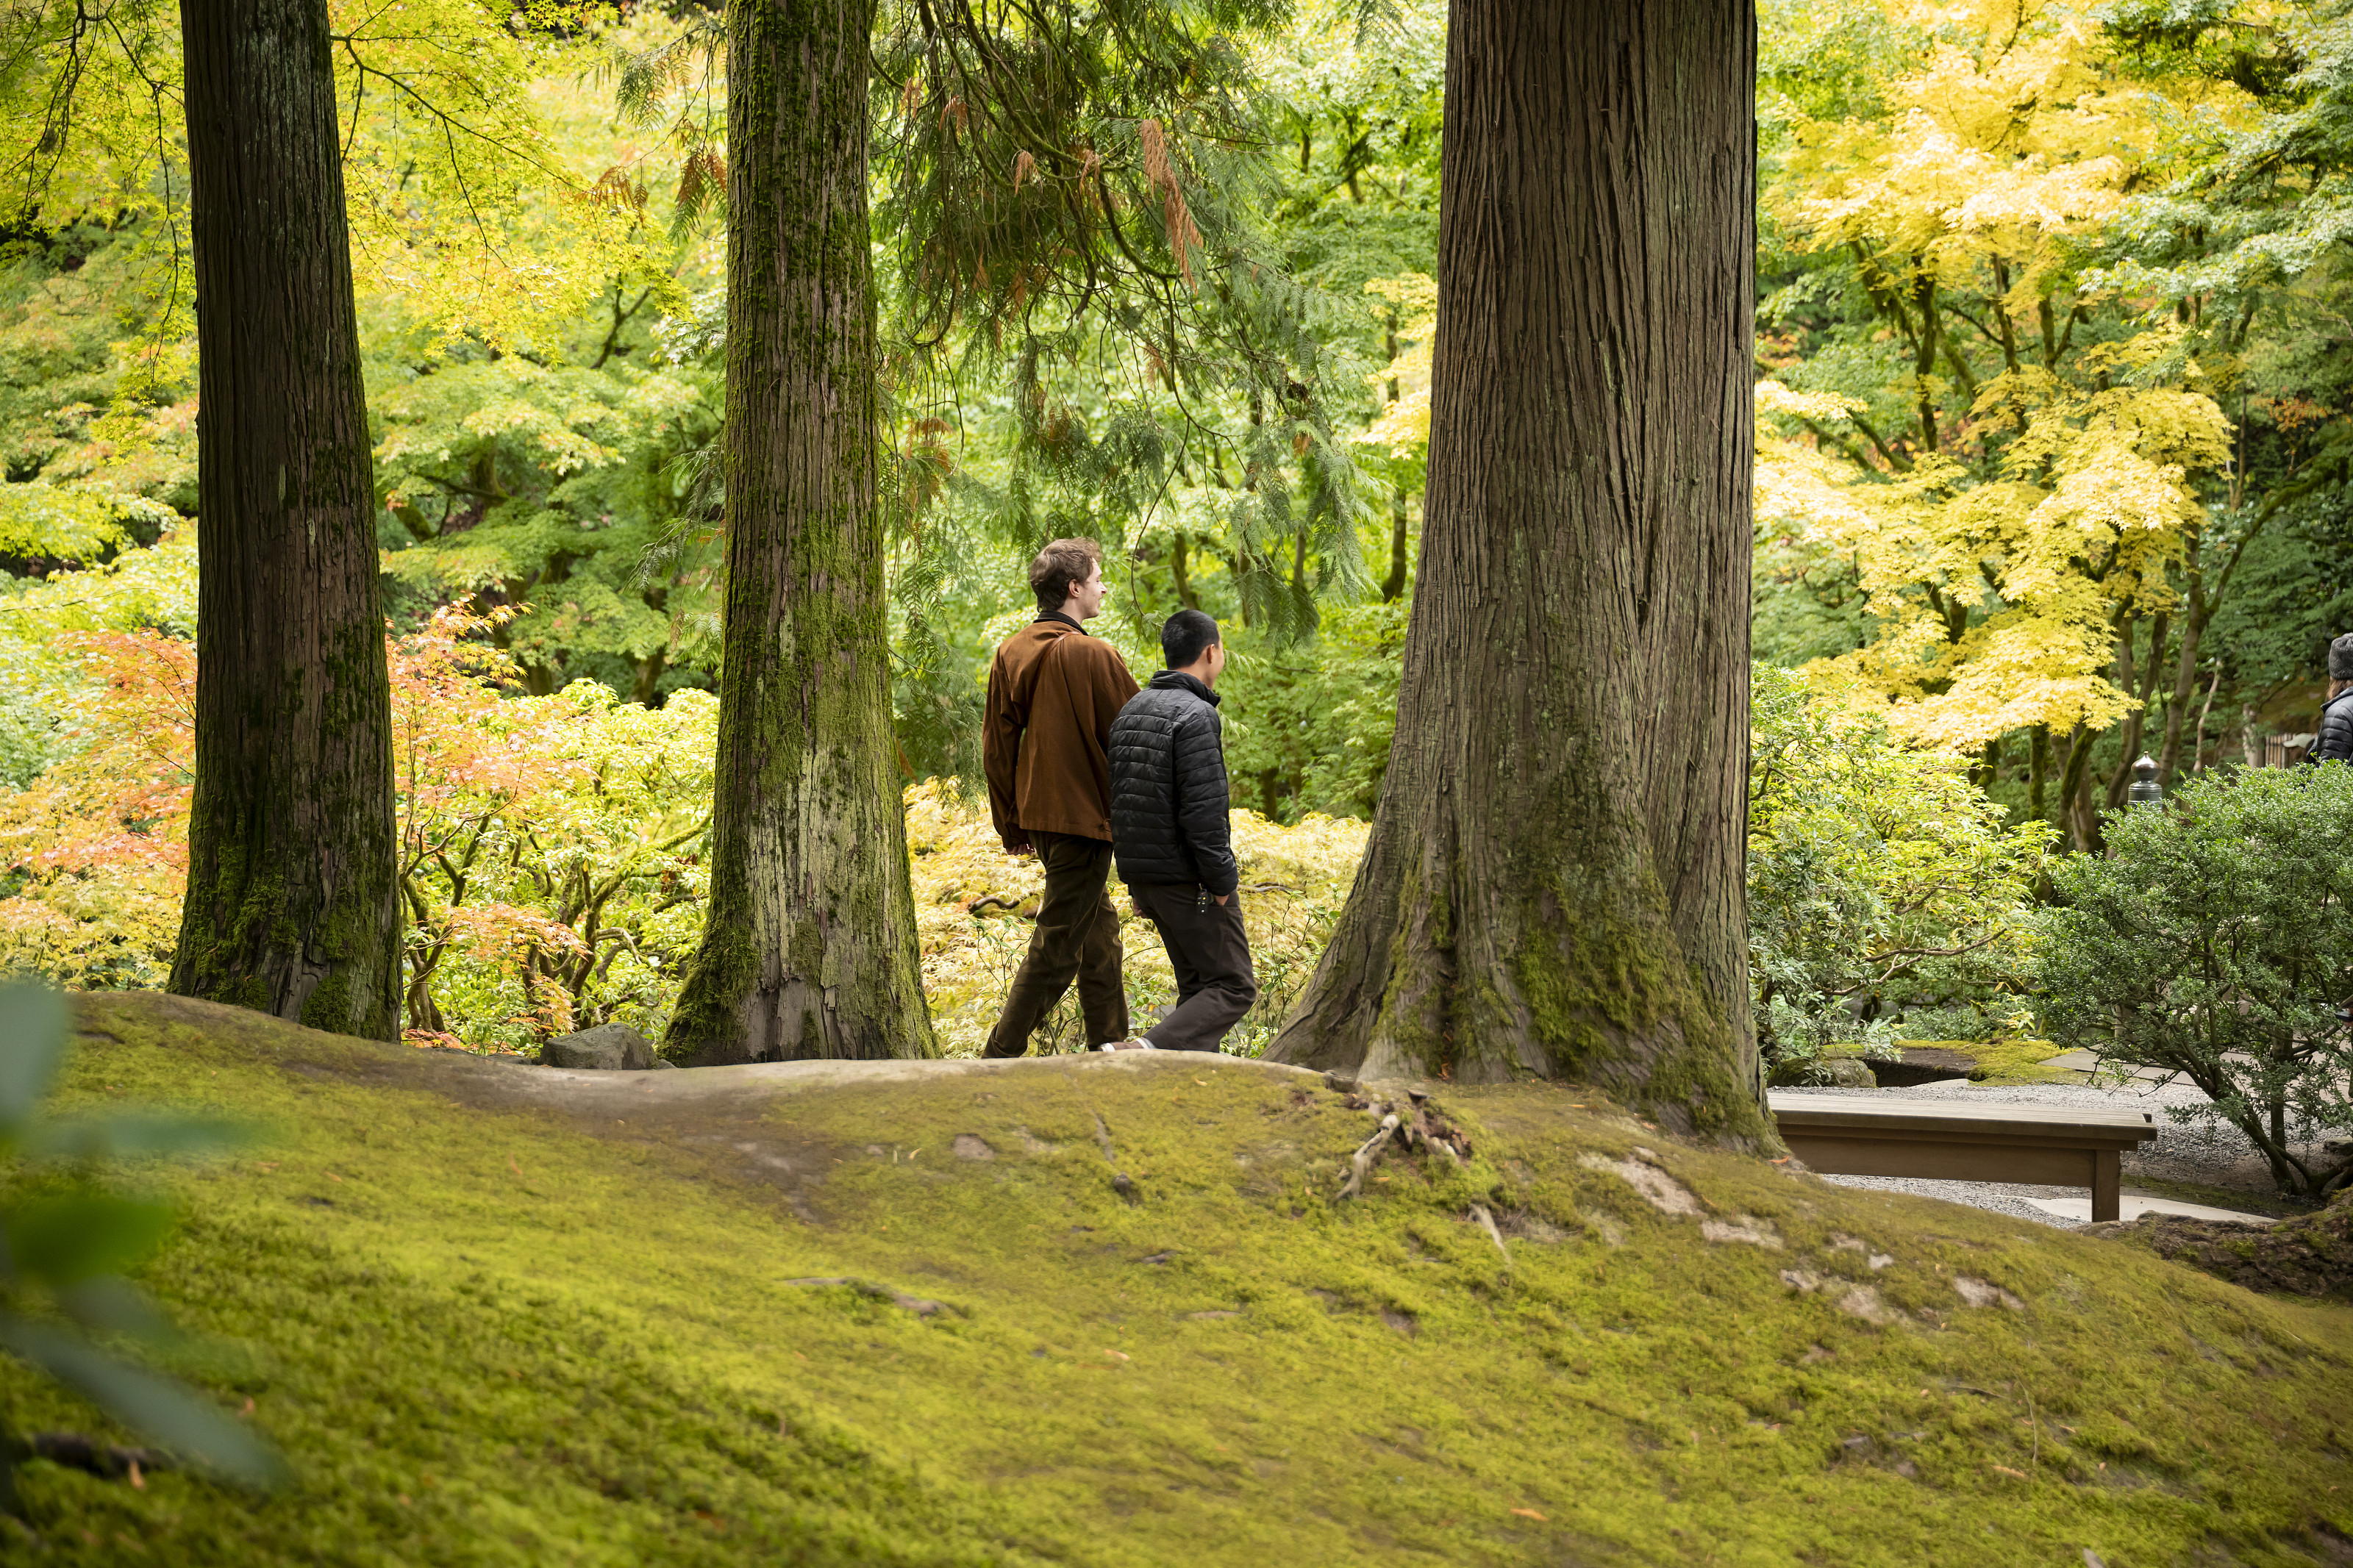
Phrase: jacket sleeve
(1202, 801)
(1000, 753)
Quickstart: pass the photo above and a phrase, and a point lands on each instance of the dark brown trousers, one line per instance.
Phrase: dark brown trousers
(1206, 947)
(1076, 937)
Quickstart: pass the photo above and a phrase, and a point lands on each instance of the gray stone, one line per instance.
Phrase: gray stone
(1838, 1072)
(608, 1048)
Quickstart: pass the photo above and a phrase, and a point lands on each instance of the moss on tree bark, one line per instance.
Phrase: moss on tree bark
(1553, 886)
(292, 903)
(809, 948)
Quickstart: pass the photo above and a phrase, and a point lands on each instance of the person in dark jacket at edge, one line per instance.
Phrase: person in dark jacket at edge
(1053, 692)
(2335, 742)
(1174, 840)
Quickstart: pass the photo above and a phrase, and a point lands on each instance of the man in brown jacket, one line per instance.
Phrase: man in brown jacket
(1052, 694)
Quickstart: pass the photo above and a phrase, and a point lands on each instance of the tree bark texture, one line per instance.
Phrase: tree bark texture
(292, 902)
(809, 949)
(1553, 887)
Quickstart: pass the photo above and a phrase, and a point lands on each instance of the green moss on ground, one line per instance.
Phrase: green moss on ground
(2010, 1061)
(497, 1314)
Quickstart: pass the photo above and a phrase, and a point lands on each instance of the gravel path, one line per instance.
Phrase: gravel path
(2199, 1151)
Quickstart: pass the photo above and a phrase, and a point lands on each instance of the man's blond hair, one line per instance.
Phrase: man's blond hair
(1060, 566)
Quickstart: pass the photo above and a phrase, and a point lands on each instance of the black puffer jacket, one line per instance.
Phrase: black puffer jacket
(1168, 798)
(2335, 741)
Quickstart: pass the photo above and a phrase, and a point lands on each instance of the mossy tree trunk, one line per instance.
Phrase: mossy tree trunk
(1555, 883)
(292, 901)
(809, 948)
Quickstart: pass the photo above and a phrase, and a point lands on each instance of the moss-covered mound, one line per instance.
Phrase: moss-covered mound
(1108, 1310)
(2302, 1254)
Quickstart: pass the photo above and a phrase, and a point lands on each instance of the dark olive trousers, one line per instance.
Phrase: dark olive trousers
(1076, 937)
(1207, 948)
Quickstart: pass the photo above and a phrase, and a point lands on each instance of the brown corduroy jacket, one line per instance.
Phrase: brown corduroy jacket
(1052, 694)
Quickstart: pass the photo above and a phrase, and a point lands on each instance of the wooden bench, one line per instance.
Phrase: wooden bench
(1843, 1135)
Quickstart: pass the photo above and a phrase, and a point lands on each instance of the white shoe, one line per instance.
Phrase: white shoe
(1138, 1043)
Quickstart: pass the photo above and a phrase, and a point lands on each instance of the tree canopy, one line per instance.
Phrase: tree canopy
(2052, 411)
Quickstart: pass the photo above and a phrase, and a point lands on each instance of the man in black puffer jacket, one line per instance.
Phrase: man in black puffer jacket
(1171, 835)
(2335, 742)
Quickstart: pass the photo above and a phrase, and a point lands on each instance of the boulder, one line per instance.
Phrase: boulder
(1915, 1065)
(608, 1048)
(1834, 1072)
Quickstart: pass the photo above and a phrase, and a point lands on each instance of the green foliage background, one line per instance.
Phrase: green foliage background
(1222, 384)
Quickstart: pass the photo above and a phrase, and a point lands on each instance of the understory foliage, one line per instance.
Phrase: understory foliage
(1887, 898)
(552, 853)
(551, 847)
(2216, 941)
(973, 905)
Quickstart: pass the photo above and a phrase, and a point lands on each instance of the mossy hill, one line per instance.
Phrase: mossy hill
(498, 1314)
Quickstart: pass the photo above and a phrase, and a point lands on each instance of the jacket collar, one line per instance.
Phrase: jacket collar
(1045, 615)
(1173, 680)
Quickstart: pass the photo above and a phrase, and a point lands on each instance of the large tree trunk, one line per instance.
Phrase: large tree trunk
(1553, 886)
(809, 946)
(293, 900)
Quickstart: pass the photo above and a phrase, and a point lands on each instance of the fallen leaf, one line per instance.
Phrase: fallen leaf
(332, 1177)
(137, 1481)
(1530, 1513)
(248, 1406)
(512, 1166)
(265, 1164)
(2014, 1475)
(1121, 1355)
(404, 1499)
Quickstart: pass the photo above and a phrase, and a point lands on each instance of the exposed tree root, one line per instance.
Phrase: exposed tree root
(1361, 1162)
(1487, 1221)
(1415, 1124)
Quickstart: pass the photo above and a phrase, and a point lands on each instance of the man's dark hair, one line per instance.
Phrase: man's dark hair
(1185, 636)
(1059, 566)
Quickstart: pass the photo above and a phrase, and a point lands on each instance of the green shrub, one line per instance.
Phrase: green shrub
(1886, 896)
(2215, 942)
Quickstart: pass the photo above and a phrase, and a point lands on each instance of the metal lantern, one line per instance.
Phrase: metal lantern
(2144, 790)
